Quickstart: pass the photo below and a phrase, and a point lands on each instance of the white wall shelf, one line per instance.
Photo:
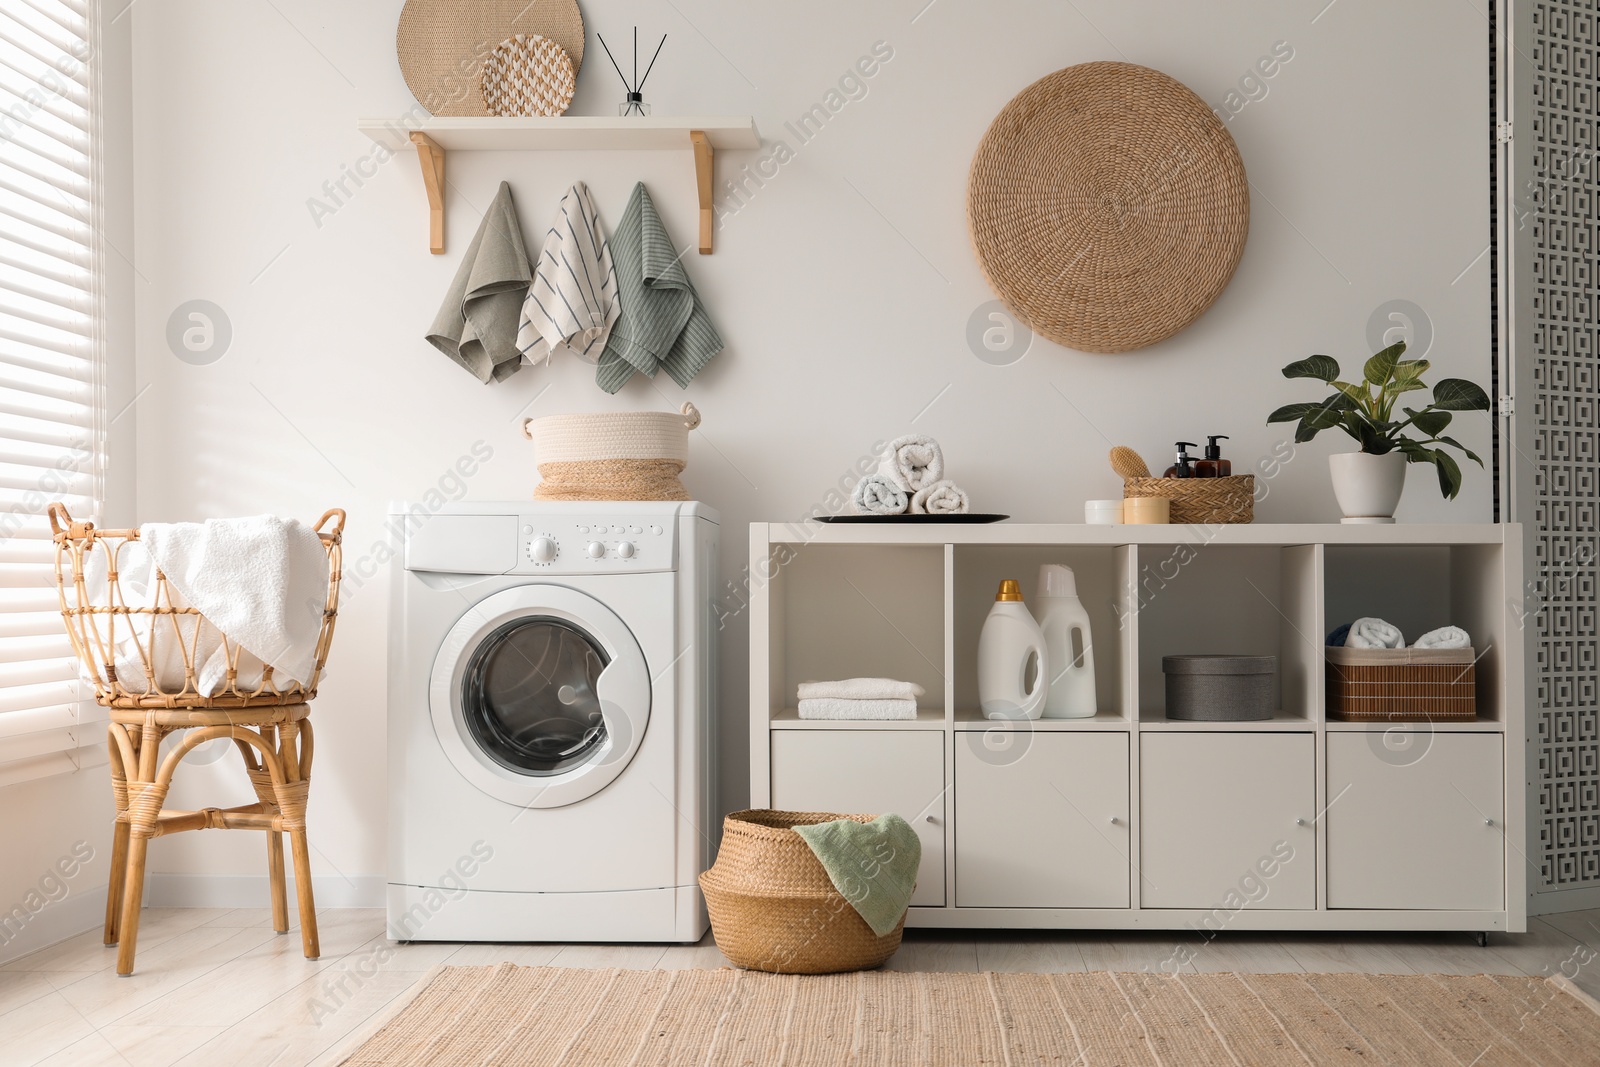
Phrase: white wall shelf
(836, 601)
(441, 134)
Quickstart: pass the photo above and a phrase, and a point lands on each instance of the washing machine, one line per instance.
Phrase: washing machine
(551, 676)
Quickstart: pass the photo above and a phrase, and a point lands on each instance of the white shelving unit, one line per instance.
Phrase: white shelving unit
(703, 135)
(1130, 819)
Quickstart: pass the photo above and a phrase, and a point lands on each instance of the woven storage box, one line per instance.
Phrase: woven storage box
(1402, 684)
(1201, 499)
(618, 455)
(773, 907)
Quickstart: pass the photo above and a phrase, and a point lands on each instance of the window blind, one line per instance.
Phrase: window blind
(51, 430)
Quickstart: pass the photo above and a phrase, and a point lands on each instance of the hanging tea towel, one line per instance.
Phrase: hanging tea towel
(572, 302)
(663, 324)
(477, 326)
(872, 865)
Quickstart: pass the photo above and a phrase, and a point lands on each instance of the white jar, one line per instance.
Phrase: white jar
(1102, 512)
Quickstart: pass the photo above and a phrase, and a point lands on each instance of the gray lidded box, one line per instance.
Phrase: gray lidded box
(1221, 688)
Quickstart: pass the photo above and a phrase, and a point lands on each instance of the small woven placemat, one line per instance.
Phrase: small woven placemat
(479, 1015)
(1108, 206)
(528, 75)
(442, 44)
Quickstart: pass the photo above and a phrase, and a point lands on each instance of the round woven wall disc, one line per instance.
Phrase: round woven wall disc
(442, 44)
(528, 75)
(1108, 206)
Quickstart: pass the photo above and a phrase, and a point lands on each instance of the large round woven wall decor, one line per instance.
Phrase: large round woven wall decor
(442, 44)
(1108, 206)
(528, 75)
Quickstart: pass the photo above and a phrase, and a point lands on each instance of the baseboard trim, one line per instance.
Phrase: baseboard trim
(54, 923)
(1561, 900)
(252, 891)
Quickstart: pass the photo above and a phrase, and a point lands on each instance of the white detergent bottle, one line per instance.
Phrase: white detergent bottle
(1011, 654)
(1065, 623)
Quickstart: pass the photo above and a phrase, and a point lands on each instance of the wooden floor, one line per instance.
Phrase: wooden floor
(219, 987)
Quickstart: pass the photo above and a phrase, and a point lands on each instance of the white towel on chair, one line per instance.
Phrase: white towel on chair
(876, 494)
(1445, 637)
(840, 708)
(943, 497)
(262, 581)
(1374, 633)
(914, 462)
(572, 302)
(859, 689)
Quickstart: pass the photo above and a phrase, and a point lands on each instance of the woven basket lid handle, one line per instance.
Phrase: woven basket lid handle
(527, 428)
(691, 414)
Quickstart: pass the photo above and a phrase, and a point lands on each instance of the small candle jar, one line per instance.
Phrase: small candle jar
(1147, 510)
(1102, 512)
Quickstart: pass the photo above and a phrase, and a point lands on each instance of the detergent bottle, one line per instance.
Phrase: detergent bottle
(1065, 623)
(1011, 655)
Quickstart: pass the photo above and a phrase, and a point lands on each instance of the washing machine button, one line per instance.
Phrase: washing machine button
(596, 550)
(655, 529)
(583, 529)
(625, 549)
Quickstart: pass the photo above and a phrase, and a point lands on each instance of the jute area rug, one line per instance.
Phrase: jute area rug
(547, 1015)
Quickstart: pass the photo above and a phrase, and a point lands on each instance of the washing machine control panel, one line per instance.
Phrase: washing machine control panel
(597, 544)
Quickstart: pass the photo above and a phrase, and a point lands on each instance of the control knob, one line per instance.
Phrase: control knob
(543, 549)
(625, 549)
(596, 550)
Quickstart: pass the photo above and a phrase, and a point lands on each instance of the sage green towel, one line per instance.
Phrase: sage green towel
(874, 865)
(477, 326)
(663, 324)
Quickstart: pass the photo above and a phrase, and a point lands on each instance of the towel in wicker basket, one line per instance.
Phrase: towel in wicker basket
(618, 455)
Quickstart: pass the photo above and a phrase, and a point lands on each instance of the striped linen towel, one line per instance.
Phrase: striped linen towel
(663, 324)
(572, 302)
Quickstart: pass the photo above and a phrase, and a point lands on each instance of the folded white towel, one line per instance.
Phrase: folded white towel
(262, 581)
(1445, 637)
(877, 495)
(914, 462)
(860, 689)
(1374, 633)
(943, 497)
(838, 708)
(572, 302)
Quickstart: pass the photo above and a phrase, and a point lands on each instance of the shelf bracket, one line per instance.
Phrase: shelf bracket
(431, 156)
(704, 162)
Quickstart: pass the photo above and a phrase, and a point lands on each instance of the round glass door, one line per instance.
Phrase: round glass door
(530, 696)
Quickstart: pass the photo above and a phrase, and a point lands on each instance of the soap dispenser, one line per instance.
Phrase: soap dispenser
(1183, 466)
(1214, 466)
(1065, 623)
(1009, 644)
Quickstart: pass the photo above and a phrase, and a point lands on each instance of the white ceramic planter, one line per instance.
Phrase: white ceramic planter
(1368, 487)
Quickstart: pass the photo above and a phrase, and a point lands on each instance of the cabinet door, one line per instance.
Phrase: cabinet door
(1043, 828)
(1419, 829)
(1227, 820)
(869, 772)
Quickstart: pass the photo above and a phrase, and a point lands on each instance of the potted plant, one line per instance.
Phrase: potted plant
(1368, 483)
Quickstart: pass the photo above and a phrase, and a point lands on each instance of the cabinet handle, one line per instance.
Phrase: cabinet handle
(1299, 822)
(930, 820)
(1113, 820)
(1488, 822)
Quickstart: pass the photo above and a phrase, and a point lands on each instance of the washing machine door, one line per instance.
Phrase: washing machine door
(540, 696)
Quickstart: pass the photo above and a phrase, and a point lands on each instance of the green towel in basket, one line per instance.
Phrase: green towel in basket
(874, 865)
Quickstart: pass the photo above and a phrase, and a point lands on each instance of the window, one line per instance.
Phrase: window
(51, 429)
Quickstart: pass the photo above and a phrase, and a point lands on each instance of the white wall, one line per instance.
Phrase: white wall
(843, 286)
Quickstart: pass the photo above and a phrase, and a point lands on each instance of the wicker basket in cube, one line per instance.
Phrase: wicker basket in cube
(773, 907)
(1200, 500)
(1402, 684)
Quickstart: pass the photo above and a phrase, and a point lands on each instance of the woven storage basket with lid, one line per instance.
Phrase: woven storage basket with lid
(773, 907)
(616, 455)
(1206, 500)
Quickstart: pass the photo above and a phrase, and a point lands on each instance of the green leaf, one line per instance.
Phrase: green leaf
(1430, 421)
(1411, 368)
(1381, 366)
(1458, 394)
(1373, 440)
(1358, 393)
(1457, 444)
(1449, 474)
(1323, 368)
(1403, 385)
(1291, 412)
(1323, 416)
(1305, 432)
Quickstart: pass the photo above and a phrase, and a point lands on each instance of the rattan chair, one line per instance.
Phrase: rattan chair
(269, 723)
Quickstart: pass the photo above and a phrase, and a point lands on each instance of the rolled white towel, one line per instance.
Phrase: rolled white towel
(838, 708)
(860, 689)
(876, 494)
(943, 497)
(914, 462)
(1374, 633)
(1445, 637)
